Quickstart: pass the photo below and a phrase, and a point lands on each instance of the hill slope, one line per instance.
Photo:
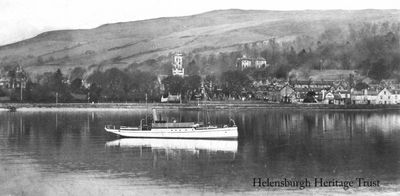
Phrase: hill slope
(120, 44)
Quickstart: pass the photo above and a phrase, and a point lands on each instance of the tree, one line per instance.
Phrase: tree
(94, 92)
(77, 72)
(193, 68)
(233, 82)
(173, 84)
(192, 85)
(76, 86)
(142, 83)
(310, 97)
(115, 85)
(379, 70)
(361, 86)
(58, 86)
(40, 93)
(56, 81)
(210, 85)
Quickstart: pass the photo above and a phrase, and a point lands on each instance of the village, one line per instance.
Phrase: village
(342, 91)
(339, 92)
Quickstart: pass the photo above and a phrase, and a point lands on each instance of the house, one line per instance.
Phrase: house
(359, 97)
(386, 96)
(301, 94)
(372, 96)
(396, 95)
(18, 79)
(245, 62)
(319, 93)
(345, 96)
(329, 98)
(5, 82)
(260, 62)
(339, 99)
(287, 94)
(171, 98)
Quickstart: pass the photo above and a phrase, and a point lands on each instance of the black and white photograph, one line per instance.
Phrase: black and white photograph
(199, 97)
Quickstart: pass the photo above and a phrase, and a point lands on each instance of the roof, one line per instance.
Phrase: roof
(343, 91)
(300, 82)
(322, 83)
(300, 90)
(287, 86)
(357, 93)
(372, 92)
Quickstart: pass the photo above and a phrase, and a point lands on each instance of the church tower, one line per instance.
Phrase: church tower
(177, 65)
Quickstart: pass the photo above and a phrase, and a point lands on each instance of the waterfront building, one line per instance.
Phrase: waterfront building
(372, 96)
(329, 98)
(287, 94)
(386, 96)
(301, 94)
(360, 97)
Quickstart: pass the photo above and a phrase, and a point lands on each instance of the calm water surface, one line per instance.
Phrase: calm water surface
(69, 153)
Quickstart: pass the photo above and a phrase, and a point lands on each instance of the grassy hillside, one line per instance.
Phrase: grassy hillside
(121, 44)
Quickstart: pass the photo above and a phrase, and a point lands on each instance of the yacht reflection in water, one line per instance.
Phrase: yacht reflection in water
(178, 144)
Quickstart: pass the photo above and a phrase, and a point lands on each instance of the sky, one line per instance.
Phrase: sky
(22, 19)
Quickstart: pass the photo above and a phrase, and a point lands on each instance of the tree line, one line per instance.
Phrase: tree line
(115, 85)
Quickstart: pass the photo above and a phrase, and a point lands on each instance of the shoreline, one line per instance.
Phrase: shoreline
(190, 106)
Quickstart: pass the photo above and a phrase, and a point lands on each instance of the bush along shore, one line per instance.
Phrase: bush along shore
(193, 106)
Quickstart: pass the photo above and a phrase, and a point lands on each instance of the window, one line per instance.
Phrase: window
(384, 92)
(381, 97)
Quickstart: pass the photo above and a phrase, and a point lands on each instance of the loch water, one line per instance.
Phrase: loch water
(69, 153)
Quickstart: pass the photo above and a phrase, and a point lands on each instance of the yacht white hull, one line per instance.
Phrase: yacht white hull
(170, 144)
(192, 133)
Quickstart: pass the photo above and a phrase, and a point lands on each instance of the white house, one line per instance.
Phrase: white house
(396, 95)
(260, 62)
(328, 98)
(244, 62)
(386, 96)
